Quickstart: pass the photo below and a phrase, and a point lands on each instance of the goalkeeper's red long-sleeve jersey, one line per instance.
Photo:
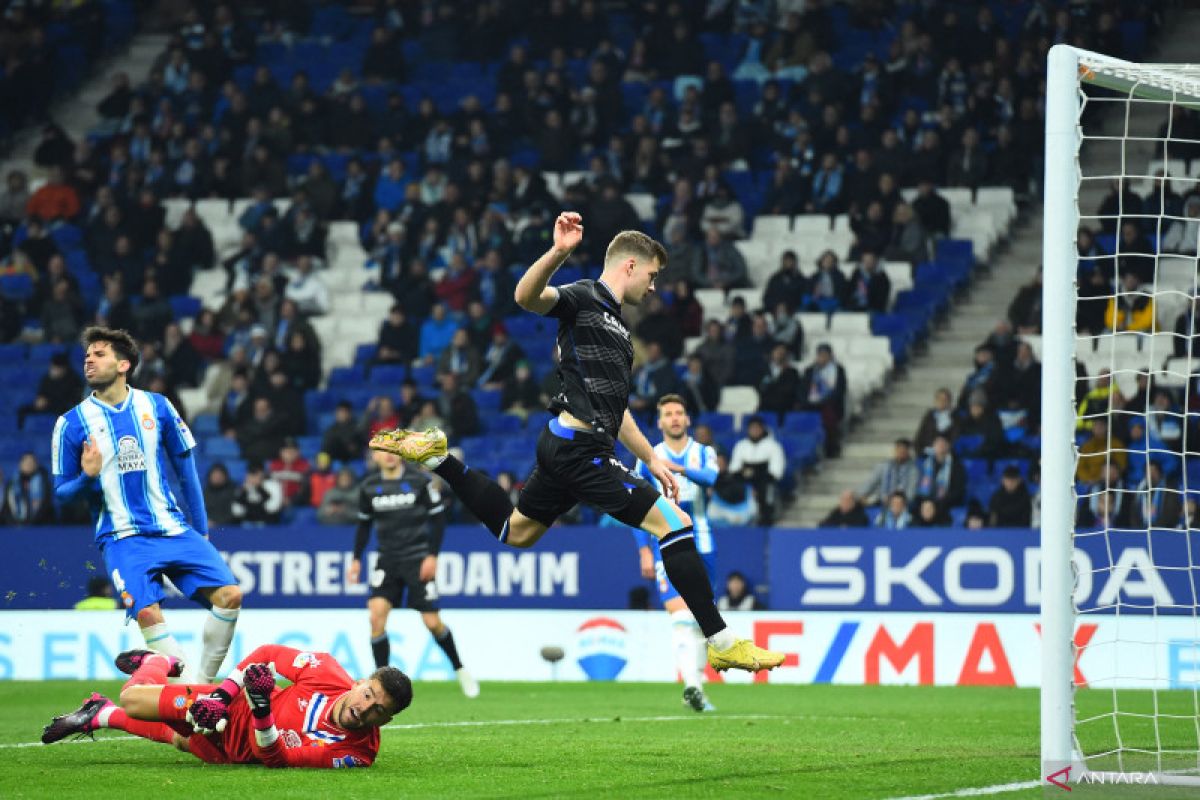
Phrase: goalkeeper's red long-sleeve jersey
(308, 737)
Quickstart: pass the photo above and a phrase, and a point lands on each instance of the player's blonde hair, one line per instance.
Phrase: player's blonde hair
(636, 244)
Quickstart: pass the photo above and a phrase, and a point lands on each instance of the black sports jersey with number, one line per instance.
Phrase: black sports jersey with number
(595, 355)
(407, 512)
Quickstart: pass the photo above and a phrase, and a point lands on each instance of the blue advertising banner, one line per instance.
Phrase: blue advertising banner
(939, 569)
(305, 567)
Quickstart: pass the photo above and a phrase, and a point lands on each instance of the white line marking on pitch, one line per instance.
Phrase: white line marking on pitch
(978, 791)
(483, 723)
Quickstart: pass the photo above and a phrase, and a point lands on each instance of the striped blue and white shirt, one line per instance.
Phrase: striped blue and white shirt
(136, 440)
(700, 461)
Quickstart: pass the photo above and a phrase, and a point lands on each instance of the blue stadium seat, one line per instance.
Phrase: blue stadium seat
(236, 468)
(218, 448)
(487, 400)
(345, 377)
(807, 421)
(16, 287)
(503, 424)
(204, 425)
(68, 237)
(387, 375)
(13, 353)
(184, 306)
(718, 422)
(423, 375)
(977, 469)
(365, 353)
(309, 446)
(39, 424)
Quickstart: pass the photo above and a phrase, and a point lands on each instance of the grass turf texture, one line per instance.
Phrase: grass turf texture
(534, 740)
(589, 740)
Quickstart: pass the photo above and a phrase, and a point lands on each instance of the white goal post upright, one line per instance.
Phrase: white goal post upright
(1137, 717)
(1060, 257)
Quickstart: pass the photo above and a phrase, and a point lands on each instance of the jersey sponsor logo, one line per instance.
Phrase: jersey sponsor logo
(613, 324)
(390, 502)
(147, 421)
(130, 457)
(183, 428)
(306, 660)
(290, 738)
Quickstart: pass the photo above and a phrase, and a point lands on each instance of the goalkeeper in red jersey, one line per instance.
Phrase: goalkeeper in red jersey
(324, 719)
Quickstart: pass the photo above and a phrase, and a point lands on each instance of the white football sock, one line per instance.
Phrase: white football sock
(105, 715)
(433, 462)
(158, 637)
(218, 633)
(723, 639)
(689, 647)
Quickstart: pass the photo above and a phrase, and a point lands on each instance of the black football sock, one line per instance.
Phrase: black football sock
(446, 642)
(381, 648)
(686, 570)
(479, 493)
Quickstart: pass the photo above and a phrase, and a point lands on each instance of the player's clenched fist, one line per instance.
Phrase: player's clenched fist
(91, 460)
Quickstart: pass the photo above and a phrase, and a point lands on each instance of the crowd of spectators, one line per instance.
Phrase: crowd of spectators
(451, 200)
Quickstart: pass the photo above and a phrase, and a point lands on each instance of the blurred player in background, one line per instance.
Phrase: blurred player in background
(407, 511)
(695, 466)
(112, 449)
(324, 719)
(576, 452)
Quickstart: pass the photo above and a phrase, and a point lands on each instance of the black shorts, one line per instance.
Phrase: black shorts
(582, 467)
(391, 579)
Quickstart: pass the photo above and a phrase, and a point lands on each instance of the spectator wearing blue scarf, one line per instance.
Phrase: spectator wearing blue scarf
(28, 499)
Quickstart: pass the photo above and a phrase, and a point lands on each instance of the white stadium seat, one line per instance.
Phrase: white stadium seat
(213, 211)
(770, 225)
(643, 205)
(811, 224)
(713, 303)
(175, 208)
(554, 184)
(738, 400)
(850, 322)
(814, 323)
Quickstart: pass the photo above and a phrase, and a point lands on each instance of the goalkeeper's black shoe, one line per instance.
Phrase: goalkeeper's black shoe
(130, 660)
(80, 722)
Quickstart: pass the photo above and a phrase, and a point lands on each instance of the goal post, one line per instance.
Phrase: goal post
(1060, 257)
(1141, 712)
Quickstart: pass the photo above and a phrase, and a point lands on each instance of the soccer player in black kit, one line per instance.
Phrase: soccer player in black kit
(576, 456)
(409, 517)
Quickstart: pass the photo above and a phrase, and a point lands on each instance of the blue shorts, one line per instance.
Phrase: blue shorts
(666, 591)
(137, 565)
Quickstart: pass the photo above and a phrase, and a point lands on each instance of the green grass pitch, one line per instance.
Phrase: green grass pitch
(542, 740)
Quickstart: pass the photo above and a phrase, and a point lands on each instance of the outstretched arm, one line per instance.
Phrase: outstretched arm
(533, 292)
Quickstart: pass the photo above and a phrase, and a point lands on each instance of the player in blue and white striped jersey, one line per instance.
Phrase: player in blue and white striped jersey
(112, 449)
(695, 466)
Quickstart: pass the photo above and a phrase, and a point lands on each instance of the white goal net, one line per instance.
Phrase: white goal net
(1120, 544)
